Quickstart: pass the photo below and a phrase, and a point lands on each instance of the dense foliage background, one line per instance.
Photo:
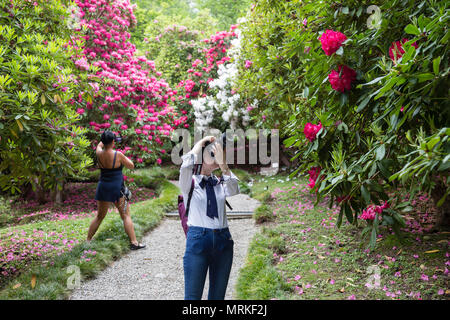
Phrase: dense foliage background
(41, 141)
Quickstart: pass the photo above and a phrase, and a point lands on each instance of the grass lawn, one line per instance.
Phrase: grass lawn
(300, 254)
(37, 256)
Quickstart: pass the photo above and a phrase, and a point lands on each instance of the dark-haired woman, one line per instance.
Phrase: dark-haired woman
(111, 163)
(209, 245)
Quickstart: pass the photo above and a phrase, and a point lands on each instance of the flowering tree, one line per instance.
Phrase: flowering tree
(136, 101)
(221, 106)
(203, 71)
(350, 98)
(173, 48)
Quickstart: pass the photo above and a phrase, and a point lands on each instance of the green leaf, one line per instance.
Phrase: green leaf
(412, 29)
(363, 104)
(386, 87)
(433, 142)
(348, 213)
(425, 77)
(388, 220)
(381, 151)
(436, 63)
(365, 194)
(442, 200)
(373, 237)
(339, 219)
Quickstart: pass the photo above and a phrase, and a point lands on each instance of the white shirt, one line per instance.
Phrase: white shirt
(197, 211)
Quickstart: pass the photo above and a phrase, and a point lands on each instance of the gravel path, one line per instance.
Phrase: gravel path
(156, 272)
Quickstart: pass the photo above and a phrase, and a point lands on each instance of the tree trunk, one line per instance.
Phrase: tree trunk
(41, 194)
(285, 157)
(59, 194)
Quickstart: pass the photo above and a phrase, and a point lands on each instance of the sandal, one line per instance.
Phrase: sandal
(137, 247)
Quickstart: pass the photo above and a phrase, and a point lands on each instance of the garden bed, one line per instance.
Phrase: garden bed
(300, 254)
(43, 250)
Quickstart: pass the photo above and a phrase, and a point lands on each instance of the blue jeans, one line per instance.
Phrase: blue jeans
(207, 249)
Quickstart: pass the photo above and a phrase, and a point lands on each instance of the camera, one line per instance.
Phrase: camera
(224, 143)
(118, 139)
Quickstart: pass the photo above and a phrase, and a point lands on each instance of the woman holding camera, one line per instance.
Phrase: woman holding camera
(209, 245)
(109, 187)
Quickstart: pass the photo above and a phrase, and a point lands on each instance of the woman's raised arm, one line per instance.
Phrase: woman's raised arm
(125, 161)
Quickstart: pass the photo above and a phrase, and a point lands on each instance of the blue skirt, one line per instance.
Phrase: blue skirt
(109, 185)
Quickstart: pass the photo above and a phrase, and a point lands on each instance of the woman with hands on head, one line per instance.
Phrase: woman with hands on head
(209, 245)
(109, 187)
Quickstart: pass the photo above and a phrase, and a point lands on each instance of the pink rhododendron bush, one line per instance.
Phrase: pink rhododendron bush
(361, 101)
(133, 100)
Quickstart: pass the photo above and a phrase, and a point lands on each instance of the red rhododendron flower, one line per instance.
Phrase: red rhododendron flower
(331, 41)
(311, 130)
(313, 175)
(343, 82)
(396, 50)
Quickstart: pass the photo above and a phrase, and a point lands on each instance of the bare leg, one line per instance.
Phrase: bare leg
(102, 207)
(126, 218)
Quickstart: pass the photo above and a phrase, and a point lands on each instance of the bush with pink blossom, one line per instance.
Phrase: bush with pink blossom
(379, 92)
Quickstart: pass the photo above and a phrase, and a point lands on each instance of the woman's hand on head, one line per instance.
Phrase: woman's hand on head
(210, 139)
(100, 147)
(201, 143)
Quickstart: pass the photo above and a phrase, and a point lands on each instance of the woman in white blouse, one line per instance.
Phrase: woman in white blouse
(209, 245)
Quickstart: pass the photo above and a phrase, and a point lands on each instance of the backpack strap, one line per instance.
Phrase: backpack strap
(114, 162)
(190, 197)
(228, 205)
(221, 180)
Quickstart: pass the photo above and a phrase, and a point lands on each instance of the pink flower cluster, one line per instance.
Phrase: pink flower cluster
(331, 41)
(342, 79)
(396, 50)
(313, 175)
(370, 212)
(134, 95)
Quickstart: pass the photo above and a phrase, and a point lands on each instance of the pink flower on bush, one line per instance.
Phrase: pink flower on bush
(396, 50)
(311, 130)
(248, 64)
(370, 212)
(344, 81)
(82, 64)
(331, 41)
(159, 160)
(123, 127)
(80, 110)
(106, 117)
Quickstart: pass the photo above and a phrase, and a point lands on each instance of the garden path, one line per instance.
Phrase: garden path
(156, 272)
